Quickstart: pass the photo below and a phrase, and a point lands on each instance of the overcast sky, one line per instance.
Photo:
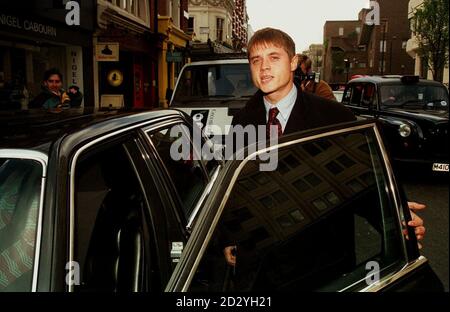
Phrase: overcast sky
(303, 20)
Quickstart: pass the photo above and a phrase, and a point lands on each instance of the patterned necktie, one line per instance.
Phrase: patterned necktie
(273, 121)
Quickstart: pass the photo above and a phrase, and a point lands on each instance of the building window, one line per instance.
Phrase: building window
(383, 46)
(341, 31)
(361, 65)
(190, 28)
(362, 48)
(382, 66)
(219, 29)
(136, 8)
(176, 12)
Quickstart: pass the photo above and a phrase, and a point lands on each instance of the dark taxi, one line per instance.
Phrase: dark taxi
(97, 202)
(412, 114)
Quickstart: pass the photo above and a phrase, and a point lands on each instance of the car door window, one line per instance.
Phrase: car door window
(356, 94)
(369, 96)
(182, 164)
(113, 242)
(315, 223)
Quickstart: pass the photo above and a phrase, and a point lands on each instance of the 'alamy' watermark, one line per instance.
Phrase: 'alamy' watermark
(373, 276)
(254, 138)
(73, 16)
(73, 274)
(373, 16)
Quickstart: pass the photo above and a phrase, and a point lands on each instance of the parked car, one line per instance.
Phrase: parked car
(212, 91)
(413, 117)
(97, 202)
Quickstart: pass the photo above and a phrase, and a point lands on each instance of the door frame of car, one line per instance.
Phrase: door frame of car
(208, 220)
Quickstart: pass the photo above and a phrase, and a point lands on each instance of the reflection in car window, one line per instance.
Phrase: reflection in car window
(186, 173)
(209, 81)
(112, 243)
(424, 96)
(20, 186)
(313, 224)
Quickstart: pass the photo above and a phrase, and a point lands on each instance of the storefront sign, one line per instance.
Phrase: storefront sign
(27, 25)
(74, 67)
(174, 57)
(107, 52)
(112, 101)
(115, 77)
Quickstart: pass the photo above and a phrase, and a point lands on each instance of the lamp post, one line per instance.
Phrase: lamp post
(390, 54)
(383, 47)
(347, 68)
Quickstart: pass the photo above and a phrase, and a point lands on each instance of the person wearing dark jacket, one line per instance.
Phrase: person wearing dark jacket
(280, 103)
(52, 96)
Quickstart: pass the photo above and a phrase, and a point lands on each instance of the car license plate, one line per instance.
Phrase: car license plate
(440, 167)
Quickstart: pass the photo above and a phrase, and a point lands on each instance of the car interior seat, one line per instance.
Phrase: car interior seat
(115, 256)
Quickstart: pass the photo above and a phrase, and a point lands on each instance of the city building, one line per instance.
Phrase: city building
(343, 56)
(174, 31)
(412, 48)
(240, 25)
(356, 48)
(211, 22)
(45, 35)
(126, 54)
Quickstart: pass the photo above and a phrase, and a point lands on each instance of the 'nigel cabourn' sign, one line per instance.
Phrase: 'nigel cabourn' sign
(27, 25)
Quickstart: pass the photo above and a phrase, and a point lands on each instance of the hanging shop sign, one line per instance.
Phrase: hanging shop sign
(107, 52)
(115, 77)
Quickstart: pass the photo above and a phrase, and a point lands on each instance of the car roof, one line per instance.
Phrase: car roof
(391, 79)
(217, 62)
(39, 130)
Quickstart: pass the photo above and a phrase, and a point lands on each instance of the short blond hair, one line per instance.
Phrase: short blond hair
(266, 36)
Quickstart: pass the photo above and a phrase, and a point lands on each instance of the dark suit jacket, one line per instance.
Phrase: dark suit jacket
(309, 111)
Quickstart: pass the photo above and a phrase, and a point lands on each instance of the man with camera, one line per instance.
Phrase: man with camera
(310, 81)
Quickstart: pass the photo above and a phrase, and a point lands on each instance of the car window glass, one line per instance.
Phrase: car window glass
(369, 96)
(422, 96)
(112, 241)
(213, 81)
(356, 94)
(20, 185)
(313, 224)
(182, 164)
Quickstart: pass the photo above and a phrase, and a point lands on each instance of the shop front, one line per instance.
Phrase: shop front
(172, 57)
(126, 56)
(41, 37)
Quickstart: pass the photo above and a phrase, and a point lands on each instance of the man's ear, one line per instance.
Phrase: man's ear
(294, 63)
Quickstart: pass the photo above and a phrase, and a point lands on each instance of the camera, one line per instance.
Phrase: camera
(313, 76)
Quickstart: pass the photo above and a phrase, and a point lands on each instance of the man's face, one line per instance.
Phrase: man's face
(53, 83)
(272, 71)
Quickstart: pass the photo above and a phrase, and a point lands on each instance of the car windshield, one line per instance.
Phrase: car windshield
(20, 184)
(213, 82)
(414, 96)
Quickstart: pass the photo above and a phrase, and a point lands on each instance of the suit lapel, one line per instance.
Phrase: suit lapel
(297, 121)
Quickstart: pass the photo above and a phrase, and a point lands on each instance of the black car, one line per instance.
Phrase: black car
(412, 114)
(98, 202)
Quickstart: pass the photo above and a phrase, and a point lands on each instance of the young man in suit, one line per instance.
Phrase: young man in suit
(282, 104)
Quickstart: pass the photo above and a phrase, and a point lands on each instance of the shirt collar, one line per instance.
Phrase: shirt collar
(285, 104)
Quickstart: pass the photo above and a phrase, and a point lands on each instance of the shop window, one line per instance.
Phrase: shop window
(219, 29)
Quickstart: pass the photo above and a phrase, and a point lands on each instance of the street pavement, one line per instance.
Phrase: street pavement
(435, 194)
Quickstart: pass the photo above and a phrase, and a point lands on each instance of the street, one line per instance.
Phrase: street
(435, 194)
